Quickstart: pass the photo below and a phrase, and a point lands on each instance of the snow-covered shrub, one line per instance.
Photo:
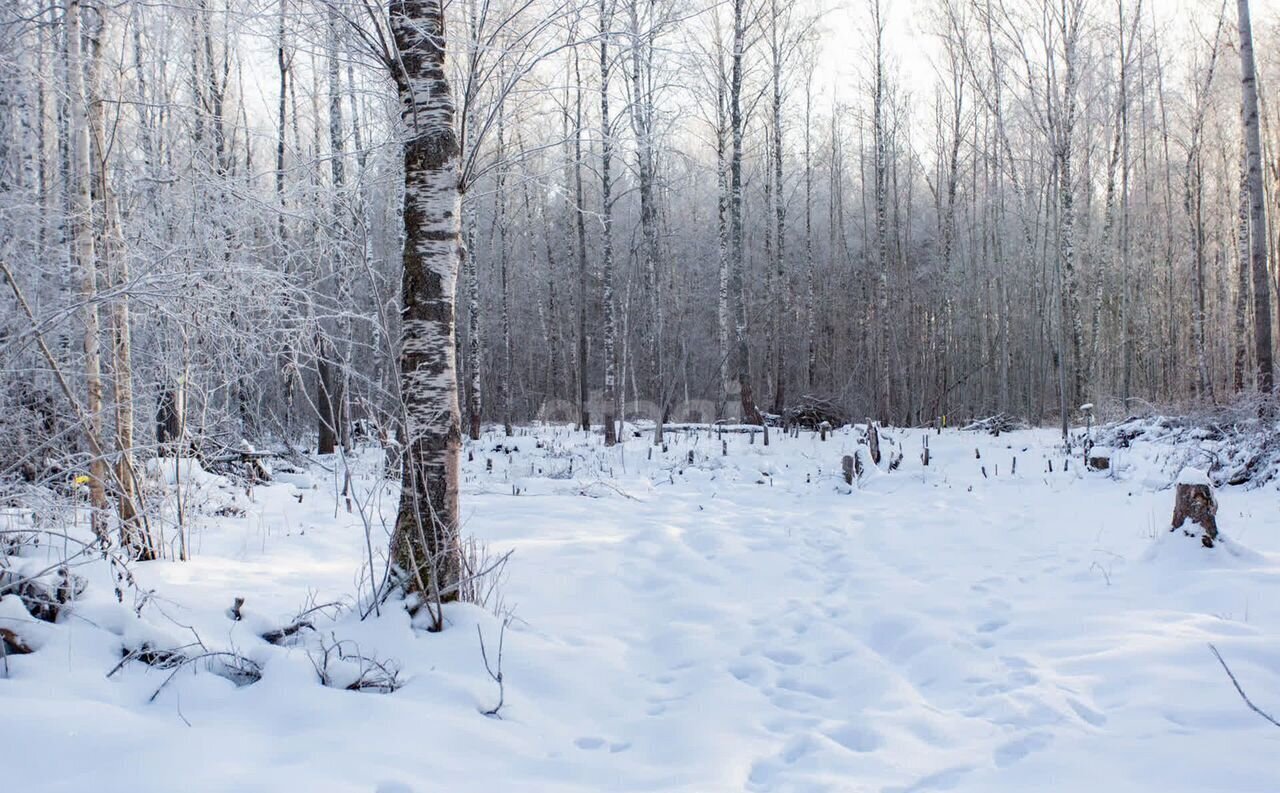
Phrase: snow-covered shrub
(1231, 443)
(340, 664)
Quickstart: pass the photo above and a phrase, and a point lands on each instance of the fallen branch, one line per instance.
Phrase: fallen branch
(1240, 690)
(278, 635)
(159, 659)
(583, 490)
(300, 623)
(239, 670)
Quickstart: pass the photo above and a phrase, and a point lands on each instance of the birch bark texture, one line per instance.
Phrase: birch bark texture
(85, 256)
(425, 546)
(1257, 203)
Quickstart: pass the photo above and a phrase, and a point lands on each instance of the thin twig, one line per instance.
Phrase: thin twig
(495, 711)
(1240, 690)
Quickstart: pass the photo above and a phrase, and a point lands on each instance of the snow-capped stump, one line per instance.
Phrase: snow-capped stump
(1195, 502)
(846, 464)
(1099, 458)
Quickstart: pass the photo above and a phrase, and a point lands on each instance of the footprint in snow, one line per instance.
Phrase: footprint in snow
(1015, 750)
(1087, 713)
(947, 779)
(784, 657)
(796, 748)
(592, 742)
(749, 672)
(991, 626)
(816, 690)
(789, 724)
(856, 737)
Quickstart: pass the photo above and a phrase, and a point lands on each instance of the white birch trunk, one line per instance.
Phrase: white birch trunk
(425, 546)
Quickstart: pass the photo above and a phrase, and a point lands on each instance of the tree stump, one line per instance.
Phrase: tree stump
(847, 464)
(1099, 458)
(873, 441)
(1195, 502)
(822, 430)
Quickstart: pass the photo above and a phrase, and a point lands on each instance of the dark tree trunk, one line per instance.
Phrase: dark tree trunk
(328, 399)
(169, 419)
(580, 227)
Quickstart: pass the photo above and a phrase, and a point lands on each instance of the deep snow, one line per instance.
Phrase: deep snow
(741, 622)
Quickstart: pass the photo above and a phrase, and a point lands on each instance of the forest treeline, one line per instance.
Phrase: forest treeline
(670, 208)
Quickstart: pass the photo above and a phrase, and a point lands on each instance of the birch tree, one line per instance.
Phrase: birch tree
(425, 545)
(605, 33)
(1257, 202)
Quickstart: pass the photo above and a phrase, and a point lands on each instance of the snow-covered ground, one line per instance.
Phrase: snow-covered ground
(696, 622)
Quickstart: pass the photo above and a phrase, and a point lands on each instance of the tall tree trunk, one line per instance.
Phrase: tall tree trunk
(606, 232)
(724, 310)
(283, 58)
(737, 263)
(1063, 121)
(810, 309)
(642, 109)
(1193, 203)
(1257, 205)
(505, 397)
(330, 390)
(1242, 278)
(580, 225)
(475, 350)
(1106, 247)
(85, 257)
(879, 133)
(780, 222)
(1193, 200)
(114, 264)
(426, 547)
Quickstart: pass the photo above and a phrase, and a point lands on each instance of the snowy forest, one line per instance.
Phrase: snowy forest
(666, 208)
(425, 334)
